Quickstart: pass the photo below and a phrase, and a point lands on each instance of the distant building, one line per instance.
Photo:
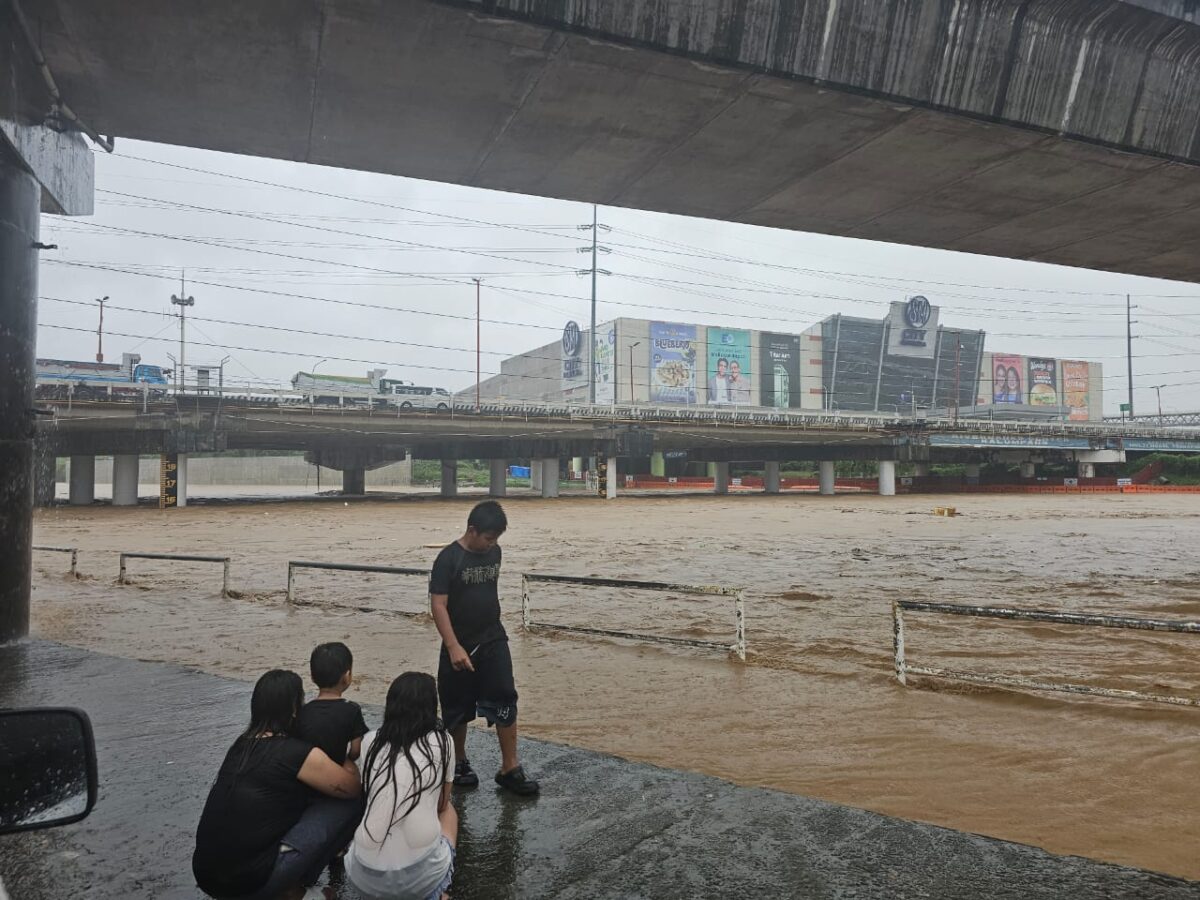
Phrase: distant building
(907, 363)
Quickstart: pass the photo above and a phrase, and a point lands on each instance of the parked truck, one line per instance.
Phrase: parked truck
(373, 390)
(58, 379)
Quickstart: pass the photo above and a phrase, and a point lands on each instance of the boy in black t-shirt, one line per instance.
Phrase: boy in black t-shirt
(328, 721)
(475, 668)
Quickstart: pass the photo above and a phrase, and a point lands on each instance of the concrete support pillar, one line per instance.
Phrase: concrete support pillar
(82, 477)
(498, 478)
(1029, 469)
(971, 471)
(576, 467)
(1086, 470)
(720, 478)
(45, 478)
(827, 474)
(182, 481)
(922, 470)
(658, 464)
(449, 477)
(125, 480)
(610, 492)
(20, 210)
(535, 474)
(887, 478)
(771, 477)
(354, 480)
(549, 478)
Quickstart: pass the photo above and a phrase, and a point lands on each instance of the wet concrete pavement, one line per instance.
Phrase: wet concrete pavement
(603, 827)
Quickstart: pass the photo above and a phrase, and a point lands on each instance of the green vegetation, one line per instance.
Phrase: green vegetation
(1177, 468)
(474, 472)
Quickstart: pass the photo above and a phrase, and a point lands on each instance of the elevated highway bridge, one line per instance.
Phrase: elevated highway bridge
(355, 439)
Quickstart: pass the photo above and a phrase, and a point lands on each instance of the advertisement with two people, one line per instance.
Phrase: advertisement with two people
(1007, 384)
(728, 367)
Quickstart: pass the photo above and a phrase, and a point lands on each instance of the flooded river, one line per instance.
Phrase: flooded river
(814, 710)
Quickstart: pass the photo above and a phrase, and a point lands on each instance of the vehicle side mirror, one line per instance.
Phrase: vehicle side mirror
(47, 768)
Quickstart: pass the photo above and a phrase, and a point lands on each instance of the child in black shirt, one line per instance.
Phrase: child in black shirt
(475, 668)
(328, 721)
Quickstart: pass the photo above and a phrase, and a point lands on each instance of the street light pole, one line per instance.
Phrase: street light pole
(100, 333)
(183, 302)
(478, 352)
(631, 389)
(1158, 390)
(592, 347)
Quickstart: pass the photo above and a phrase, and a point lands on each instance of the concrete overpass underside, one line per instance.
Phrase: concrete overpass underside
(1064, 131)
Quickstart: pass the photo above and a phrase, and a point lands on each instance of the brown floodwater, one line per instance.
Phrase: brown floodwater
(815, 709)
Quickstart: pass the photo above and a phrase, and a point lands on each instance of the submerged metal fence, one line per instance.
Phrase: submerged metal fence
(180, 557)
(74, 551)
(904, 669)
(739, 642)
(293, 565)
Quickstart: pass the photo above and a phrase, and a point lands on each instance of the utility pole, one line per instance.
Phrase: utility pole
(1158, 390)
(478, 352)
(183, 302)
(1129, 348)
(632, 396)
(100, 333)
(592, 346)
(957, 373)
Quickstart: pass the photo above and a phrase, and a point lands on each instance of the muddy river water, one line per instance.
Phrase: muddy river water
(815, 709)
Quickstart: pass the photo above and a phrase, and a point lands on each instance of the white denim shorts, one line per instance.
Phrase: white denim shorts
(428, 877)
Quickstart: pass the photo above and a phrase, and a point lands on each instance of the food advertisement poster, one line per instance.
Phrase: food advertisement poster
(779, 362)
(606, 369)
(1008, 385)
(1043, 382)
(672, 363)
(1075, 389)
(728, 367)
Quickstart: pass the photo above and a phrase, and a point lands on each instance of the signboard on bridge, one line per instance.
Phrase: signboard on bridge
(1011, 440)
(1162, 444)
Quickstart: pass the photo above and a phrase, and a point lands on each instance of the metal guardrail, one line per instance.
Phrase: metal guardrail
(739, 644)
(74, 551)
(180, 557)
(904, 669)
(293, 565)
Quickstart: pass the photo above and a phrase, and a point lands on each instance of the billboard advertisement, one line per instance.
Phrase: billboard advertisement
(605, 356)
(912, 328)
(1008, 383)
(573, 372)
(1076, 378)
(728, 367)
(779, 362)
(1043, 382)
(672, 363)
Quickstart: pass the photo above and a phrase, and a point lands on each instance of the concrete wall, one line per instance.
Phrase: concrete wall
(259, 470)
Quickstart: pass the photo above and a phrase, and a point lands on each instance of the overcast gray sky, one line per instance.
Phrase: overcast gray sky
(379, 270)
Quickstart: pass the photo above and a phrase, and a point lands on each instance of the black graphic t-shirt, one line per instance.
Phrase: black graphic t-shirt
(331, 725)
(470, 581)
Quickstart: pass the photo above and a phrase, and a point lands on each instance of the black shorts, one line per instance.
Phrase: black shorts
(489, 690)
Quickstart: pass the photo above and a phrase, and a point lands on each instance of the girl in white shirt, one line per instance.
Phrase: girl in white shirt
(404, 848)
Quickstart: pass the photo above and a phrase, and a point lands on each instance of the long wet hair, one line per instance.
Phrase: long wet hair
(410, 727)
(278, 696)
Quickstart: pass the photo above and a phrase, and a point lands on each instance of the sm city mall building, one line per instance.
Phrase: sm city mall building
(908, 362)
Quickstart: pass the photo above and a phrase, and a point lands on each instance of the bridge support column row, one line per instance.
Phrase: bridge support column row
(720, 478)
(549, 477)
(887, 478)
(610, 487)
(449, 478)
(971, 472)
(20, 211)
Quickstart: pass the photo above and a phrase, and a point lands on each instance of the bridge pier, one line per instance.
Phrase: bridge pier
(922, 469)
(610, 485)
(125, 479)
(887, 478)
(1029, 469)
(498, 478)
(82, 480)
(720, 477)
(826, 476)
(181, 480)
(354, 480)
(449, 486)
(1086, 469)
(971, 471)
(20, 211)
(549, 479)
(535, 475)
(771, 477)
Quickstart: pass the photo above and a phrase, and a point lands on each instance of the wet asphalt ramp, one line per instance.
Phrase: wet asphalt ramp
(603, 827)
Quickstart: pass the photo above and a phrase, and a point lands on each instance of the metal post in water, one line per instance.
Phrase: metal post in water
(526, 618)
(739, 645)
(291, 592)
(121, 574)
(74, 562)
(898, 641)
(225, 580)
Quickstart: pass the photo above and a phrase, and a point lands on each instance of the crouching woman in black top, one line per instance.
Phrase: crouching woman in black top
(280, 808)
